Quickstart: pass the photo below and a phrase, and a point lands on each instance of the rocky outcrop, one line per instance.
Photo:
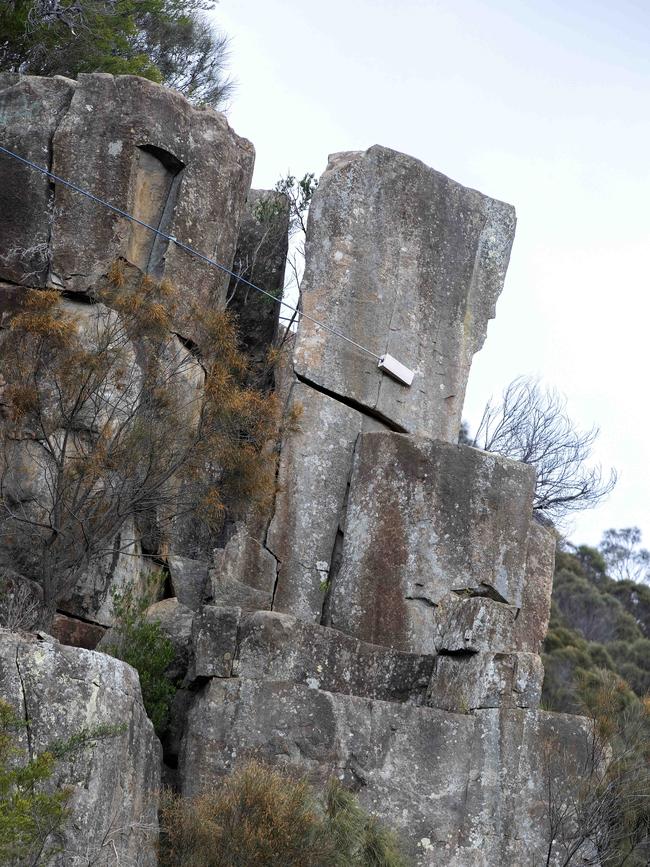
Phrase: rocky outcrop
(413, 585)
(383, 621)
(404, 261)
(63, 692)
(426, 519)
(178, 168)
(464, 789)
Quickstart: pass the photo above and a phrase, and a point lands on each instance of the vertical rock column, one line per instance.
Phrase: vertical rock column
(404, 261)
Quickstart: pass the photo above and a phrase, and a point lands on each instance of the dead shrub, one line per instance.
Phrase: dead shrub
(264, 816)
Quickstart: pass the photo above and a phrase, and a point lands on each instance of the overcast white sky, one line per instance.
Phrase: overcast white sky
(541, 103)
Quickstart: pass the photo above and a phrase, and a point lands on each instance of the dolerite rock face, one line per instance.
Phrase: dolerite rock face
(139, 146)
(404, 261)
(281, 647)
(426, 519)
(463, 789)
(115, 780)
(315, 462)
(31, 108)
(153, 154)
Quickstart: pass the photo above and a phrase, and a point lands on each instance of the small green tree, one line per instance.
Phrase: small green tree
(31, 817)
(142, 644)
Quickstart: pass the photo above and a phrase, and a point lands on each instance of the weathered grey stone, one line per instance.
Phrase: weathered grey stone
(426, 518)
(514, 754)
(189, 579)
(531, 625)
(175, 621)
(246, 560)
(260, 258)
(467, 681)
(315, 463)
(404, 261)
(280, 647)
(127, 570)
(114, 781)
(153, 154)
(30, 111)
(214, 641)
(227, 592)
(463, 789)
(473, 624)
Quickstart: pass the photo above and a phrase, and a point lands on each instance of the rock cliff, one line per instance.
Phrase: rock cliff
(384, 621)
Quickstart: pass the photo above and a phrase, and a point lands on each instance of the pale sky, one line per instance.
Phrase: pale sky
(542, 104)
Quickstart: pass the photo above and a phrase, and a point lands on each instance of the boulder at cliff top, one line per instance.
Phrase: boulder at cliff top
(425, 519)
(404, 261)
(137, 145)
(147, 150)
(114, 780)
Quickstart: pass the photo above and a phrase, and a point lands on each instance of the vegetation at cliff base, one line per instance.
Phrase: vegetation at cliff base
(263, 815)
(168, 41)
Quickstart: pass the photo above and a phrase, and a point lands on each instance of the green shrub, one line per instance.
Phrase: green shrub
(144, 645)
(264, 816)
(30, 817)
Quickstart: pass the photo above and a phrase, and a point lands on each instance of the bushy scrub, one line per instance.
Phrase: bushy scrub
(264, 816)
(144, 645)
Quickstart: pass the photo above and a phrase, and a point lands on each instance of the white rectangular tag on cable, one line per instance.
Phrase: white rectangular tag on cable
(396, 369)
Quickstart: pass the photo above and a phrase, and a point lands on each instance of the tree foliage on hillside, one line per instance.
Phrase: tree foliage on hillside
(597, 662)
(625, 558)
(168, 41)
(596, 623)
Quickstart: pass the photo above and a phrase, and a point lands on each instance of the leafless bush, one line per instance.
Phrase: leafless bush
(598, 805)
(531, 424)
(20, 602)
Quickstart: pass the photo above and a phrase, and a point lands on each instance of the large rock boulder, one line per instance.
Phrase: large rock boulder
(404, 261)
(115, 780)
(176, 167)
(426, 519)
